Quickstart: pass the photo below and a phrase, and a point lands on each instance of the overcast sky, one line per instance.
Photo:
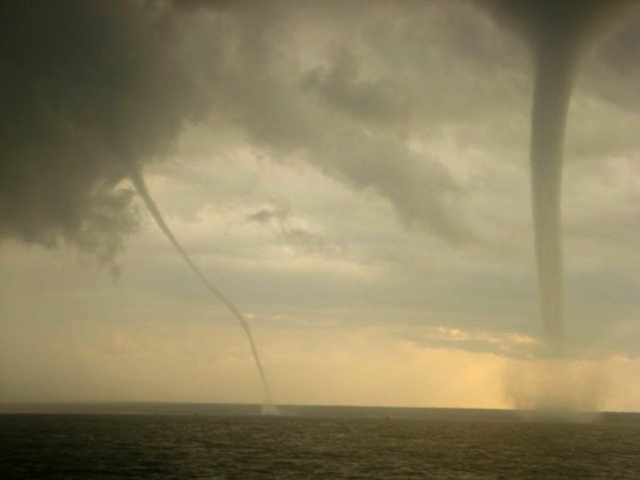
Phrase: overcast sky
(356, 179)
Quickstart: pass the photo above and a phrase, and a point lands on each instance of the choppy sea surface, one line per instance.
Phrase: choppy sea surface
(236, 442)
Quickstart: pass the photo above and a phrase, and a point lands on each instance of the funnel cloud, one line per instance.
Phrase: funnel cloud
(560, 34)
(141, 188)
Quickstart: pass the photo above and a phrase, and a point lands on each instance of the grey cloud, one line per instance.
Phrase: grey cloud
(622, 53)
(421, 189)
(266, 215)
(613, 73)
(615, 230)
(340, 86)
(292, 116)
(306, 241)
(282, 220)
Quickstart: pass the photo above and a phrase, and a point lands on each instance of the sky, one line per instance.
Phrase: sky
(355, 178)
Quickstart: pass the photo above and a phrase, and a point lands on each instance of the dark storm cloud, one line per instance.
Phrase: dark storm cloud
(612, 27)
(568, 22)
(87, 85)
(83, 82)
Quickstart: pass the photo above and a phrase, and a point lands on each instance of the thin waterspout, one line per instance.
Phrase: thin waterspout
(141, 187)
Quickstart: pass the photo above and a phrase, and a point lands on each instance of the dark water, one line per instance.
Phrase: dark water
(306, 444)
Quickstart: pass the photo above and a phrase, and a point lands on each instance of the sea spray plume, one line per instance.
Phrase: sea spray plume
(141, 188)
(557, 387)
(560, 32)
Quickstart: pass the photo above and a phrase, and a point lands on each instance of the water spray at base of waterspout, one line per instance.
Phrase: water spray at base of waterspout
(141, 188)
(557, 389)
(270, 409)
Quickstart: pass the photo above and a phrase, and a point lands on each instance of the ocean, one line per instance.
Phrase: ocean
(237, 442)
